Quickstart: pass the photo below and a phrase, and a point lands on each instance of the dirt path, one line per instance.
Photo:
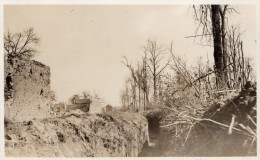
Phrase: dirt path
(152, 150)
(152, 147)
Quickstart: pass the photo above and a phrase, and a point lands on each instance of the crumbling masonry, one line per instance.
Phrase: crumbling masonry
(27, 90)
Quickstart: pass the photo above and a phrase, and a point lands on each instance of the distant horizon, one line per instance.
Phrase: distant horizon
(84, 45)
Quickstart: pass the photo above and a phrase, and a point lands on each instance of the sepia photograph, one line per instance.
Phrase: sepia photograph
(129, 79)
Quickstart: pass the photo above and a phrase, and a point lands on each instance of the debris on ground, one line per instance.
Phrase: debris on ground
(77, 134)
(227, 128)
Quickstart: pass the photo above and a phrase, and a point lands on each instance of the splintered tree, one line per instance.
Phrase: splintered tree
(154, 61)
(217, 39)
(139, 78)
(125, 96)
(21, 45)
(212, 24)
(150, 69)
(240, 70)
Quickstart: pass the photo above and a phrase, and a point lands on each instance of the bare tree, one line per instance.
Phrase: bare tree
(21, 45)
(140, 78)
(128, 95)
(145, 81)
(240, 70)
(124, 97)
(155, 57)
(217, 41)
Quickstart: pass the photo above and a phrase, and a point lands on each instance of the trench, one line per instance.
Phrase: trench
(152, 147)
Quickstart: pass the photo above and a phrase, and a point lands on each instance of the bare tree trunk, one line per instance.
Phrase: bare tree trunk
(144, 100)
(154, 87)
(243, 65)
(147, 96)
(145, 82)
(139, 86)
(139, 96)
(218, 52)
(224, 45)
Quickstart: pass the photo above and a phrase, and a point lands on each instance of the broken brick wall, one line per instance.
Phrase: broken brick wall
(31, 90)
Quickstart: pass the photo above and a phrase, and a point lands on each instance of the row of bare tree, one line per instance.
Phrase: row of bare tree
(231, 69)
(145, 77)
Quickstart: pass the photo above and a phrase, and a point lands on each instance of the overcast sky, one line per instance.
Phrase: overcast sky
(84, 45)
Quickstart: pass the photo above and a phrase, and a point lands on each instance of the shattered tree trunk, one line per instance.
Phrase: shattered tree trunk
(224, 45)
(218, 47)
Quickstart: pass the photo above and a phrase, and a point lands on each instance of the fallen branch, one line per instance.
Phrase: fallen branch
(249, 117)
(198, 35)
(234, 105)
(217, 91)
(178, 122)
(251, 131)
(224, 125)
(231, 124)
(188, 134)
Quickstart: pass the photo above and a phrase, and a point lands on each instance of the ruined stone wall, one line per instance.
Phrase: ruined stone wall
(97, 105)
(31, 90)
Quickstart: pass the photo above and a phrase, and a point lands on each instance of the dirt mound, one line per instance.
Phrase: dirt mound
(77, 135)
(228, 130)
